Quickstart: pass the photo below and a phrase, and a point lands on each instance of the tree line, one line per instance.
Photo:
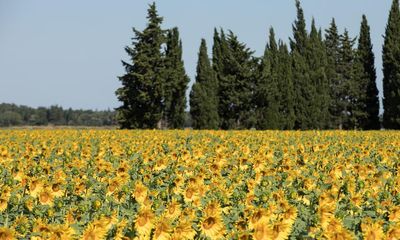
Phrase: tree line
(320, 80)
(15, 115)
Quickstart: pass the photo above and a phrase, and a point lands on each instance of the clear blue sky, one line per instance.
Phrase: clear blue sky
(69, 52)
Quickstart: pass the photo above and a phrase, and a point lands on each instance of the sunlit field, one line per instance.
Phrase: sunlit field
(109, 184)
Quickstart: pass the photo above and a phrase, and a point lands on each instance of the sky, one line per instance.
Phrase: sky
(69, 52)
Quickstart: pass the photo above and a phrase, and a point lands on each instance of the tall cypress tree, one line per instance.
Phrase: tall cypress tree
(142, 88)
(391, 70)
(332, 44)
(351, 96)
(176, 82)
(235, 71)
(203, 96)
(285, 86)
(267, 91)
(320, 99)
(366, 58)
(304, 90)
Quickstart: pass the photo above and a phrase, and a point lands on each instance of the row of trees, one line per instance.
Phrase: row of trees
(14, 115)
(322, 80)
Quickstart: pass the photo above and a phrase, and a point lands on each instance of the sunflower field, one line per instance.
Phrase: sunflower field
(111, 184)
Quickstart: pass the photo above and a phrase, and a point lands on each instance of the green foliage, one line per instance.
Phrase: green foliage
(204, 94)
(351, 95)
(305, 90)
(142, 91)
(176, 82)
(235, 69)
(391, 69)
(332, 44)
(274, 92)
(13, 115)
(366, 58)
(319, 86)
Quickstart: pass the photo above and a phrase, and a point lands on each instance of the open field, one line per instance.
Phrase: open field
(109, 184)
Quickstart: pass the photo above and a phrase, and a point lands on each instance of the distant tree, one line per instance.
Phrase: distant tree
(55, 115)
(366, 58)
(284, 72)
(268, 95)
(41, 114)
(304, 89)
(176, 82)
(203, 96)
(320, 98)
(391, 69)
(236, 83)
(10, 118)
(332, 44)
(142, 91)
(352, 96)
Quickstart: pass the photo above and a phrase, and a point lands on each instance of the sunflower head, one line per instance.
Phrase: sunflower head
(7, 233)
(144, 222)
(212, 226)
(46, 197)
(183, 230)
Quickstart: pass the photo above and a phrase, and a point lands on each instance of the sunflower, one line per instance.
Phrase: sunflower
(140, 192)
(35, 187)
(106, 222)
(56, 190)
(69, 217)
(335, 231)
(261, 232)
(163, 229)
(5, 192)
(259, 217)
(119, 235)
(190, 194)
(290, 214)
(173, 210)
(144, 222)
(93, 232)
(183, 231)
(122, 170)
(394, 215)
(62, 232)
(281, 229)
(213, 207)
(113, 185)
(30, 203)
(42, 228)
(212, 226)
(394, 232)
(7, 233)
(372, 230)
(3, 204)
(46, 197)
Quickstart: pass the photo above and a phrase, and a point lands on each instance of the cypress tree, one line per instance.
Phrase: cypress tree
(267, 91)
(366, 58)
(320, 99)
(351, 95)
(285, 86)
(235, 71)
(217, 54)
(142, 88)
(176, 81)
(304, 90)
(203, 96)
(332, 44)
(345, 71)
(391, 70)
